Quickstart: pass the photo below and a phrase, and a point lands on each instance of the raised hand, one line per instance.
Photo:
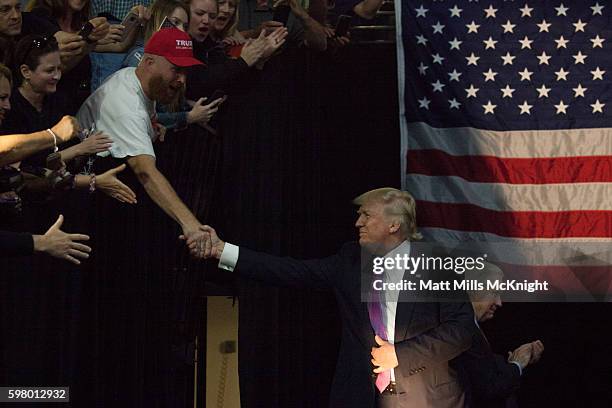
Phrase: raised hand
(101, 29)
(110, 185)
(66, 129)
(96, 143)
(201, 113)
(61, 245)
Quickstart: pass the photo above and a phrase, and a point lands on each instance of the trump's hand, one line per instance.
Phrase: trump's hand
(384, 357)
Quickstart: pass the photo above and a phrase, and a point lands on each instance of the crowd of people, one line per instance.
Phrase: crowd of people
(55, 55)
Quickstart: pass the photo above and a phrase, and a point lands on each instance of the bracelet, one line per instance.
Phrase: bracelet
(55, 149)
(92, 183)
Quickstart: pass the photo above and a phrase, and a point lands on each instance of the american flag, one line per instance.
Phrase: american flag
(506, 119)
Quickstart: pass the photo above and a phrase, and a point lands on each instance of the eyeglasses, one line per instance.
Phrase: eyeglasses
(38, 42)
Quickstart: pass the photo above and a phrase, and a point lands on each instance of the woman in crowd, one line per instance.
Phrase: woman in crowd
(221, 72)
(35, 106)
(70, 16)
(177, 115)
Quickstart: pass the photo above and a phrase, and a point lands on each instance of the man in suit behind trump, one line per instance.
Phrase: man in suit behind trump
(404, 361)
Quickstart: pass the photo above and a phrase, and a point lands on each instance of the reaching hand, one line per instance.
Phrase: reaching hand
(210, 247)
(115, 33)
(61, 245)
(66, 129)
(98, 142)
(273, 42)
(110, 185)
(201, 113)
(101, 28)
(70, 44)
(383, 356)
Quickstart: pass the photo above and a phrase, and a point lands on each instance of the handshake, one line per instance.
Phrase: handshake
(203, 242)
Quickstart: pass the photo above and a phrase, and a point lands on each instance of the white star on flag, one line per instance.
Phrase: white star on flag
(561, 108)
(579, 91)
(489, 107)
(490, 12)
(525, 43)
(472, 27)
(508, 27)
(454, 76)
(597, 9)
(455, 11)
(437, 59)
(424, 103)
(421, 11)
(543, 91)
(437, 86)
(598, 106)
(543, 58)
(597, 41)
(561, 42)
(455, 43)
(561, 74)
(489, 75)
(579, 58)
(562, 10)
(525, 108)
(490, 43)
(526, 11)
(472, 59)
(597, 74)
(454, 104)
(438, 28)
(579, 26)
(507, 58)
(471, 91)
(422, 68)
(544, 26)
(525, 75)
(507, 92)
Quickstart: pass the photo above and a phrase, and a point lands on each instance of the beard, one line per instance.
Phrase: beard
(160, 90)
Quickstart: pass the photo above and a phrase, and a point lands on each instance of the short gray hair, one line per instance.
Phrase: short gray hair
(398, 204)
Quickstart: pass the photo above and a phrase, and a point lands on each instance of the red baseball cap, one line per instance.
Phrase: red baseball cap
(174, 45)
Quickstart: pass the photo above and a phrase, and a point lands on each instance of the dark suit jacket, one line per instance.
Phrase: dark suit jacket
(427, 335)
(16, 243)
(490, 381)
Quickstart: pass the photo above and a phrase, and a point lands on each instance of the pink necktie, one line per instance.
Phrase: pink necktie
(375, 311)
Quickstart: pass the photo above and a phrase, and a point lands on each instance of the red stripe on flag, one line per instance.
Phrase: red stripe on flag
(490, 169)
(519, 224)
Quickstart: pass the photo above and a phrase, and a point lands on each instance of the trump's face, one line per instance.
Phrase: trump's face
(375, 229)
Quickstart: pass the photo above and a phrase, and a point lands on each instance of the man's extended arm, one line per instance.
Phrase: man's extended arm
(14, 148)
(160, 191)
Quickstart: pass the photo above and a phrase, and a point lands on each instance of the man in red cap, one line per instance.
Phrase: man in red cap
(124, 108)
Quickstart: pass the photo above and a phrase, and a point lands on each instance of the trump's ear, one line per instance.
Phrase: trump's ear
(393, 228)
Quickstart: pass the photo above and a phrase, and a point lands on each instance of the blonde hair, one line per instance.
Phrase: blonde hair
(398, 204)
(160, 10)
(232, 25)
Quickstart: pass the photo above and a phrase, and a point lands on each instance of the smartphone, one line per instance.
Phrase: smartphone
(86, 30)
(342, 25)
(130, 22)
(218, 94)
(281, 14)
(54, 161)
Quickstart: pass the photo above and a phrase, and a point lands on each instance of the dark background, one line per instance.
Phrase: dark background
(294, 148)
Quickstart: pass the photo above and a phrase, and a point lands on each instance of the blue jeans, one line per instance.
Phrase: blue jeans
(103, 65)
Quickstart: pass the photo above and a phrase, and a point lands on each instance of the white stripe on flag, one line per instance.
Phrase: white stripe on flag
(467, 141)
(511, 197)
